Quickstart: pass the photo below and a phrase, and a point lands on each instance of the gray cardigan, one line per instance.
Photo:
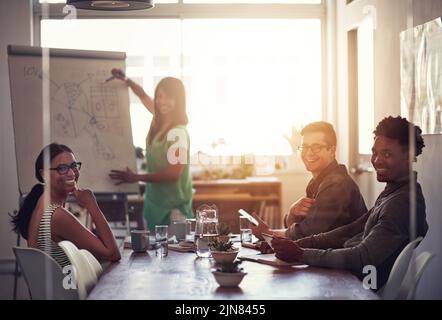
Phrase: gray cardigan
(376, 238)
(338, 202)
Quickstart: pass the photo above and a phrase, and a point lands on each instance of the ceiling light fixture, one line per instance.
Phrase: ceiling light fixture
(117, 5)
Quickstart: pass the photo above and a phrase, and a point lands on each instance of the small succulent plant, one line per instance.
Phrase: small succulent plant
(217, 245)
(223, 229)
(231, 267)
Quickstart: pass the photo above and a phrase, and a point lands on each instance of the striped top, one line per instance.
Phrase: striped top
(44, 239)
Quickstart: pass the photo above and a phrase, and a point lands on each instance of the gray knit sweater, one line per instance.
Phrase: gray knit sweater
(376, 238)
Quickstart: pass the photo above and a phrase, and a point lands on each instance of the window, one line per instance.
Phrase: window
(155, 1)
(248, 81)
(255, 1)
(365, 85)
(361, 94)
(125, 35)
(215, 1)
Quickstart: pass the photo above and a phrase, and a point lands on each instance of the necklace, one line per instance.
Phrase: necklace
(54, 205)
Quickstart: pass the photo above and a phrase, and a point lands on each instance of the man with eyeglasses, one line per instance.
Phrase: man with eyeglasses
(377, 238)
(332, 198)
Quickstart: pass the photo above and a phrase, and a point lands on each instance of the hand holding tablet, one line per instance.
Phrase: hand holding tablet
(248, 216)
(269, 237)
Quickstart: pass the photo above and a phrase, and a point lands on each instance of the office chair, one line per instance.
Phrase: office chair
(16, 271)
(391, 289)
(43, 275)
(96, 266)
(85, 273)
(413, 276)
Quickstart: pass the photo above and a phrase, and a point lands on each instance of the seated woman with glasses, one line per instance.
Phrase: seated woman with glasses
(42, 219)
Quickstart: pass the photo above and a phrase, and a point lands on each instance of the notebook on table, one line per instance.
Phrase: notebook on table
(183, 246)
(270, 259)
(255, 245)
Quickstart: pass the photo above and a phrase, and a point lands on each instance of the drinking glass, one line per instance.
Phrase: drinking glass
(161, 236)
(245, 230)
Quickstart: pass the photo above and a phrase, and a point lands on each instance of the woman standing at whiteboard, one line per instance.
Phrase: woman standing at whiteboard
(168, 195)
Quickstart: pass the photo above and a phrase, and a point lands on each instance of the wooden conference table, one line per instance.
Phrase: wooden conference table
(183, 276)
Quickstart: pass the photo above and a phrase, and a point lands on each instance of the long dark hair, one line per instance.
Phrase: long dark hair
(174, 88)
(21, 220)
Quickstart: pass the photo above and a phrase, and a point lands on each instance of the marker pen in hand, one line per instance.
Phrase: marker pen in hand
(116, 74)
(109, 79)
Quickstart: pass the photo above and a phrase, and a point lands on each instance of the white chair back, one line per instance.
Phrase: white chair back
(43, 275)
(413, 276)
(85, 274)
(391, 289)
(96, 266)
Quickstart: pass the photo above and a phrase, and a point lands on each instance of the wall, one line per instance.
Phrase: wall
(15, 21)
(391, 20)
(431, 180)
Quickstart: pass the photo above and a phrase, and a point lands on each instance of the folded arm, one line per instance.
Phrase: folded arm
(334, 238)
(102, 245)
(331, 201)
(383, 240)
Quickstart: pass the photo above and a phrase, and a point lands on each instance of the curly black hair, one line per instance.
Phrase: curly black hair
(399, 128)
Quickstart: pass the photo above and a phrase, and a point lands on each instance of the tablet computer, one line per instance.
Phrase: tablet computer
(248, 216)
(268, 238)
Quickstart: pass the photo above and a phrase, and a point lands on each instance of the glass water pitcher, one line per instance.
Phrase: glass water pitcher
(205, 230)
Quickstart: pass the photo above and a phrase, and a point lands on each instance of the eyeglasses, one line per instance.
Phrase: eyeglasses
(315, 147)
(64, 168)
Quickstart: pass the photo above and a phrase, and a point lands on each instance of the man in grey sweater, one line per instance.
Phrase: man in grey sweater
(378, 236)
(332, 198)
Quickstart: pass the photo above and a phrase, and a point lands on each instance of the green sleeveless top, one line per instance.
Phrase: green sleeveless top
(161, 198)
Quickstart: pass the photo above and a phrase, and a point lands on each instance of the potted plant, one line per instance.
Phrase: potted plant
(229, 274)
(223, 230)
(223, 251)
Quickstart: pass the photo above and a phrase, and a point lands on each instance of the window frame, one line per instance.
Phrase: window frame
(182, 10)
(360, 163)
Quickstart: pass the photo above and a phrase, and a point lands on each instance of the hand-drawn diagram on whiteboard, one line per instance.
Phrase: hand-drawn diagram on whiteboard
(86, 107)
(80, 109)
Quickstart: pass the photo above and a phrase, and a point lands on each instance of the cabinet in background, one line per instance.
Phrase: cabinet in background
(257, 194)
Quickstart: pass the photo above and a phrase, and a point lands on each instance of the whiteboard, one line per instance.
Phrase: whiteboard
(85, 113)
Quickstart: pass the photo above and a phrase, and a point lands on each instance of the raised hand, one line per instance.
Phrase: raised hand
(127, 176)
(85, 198)
(118, 74)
